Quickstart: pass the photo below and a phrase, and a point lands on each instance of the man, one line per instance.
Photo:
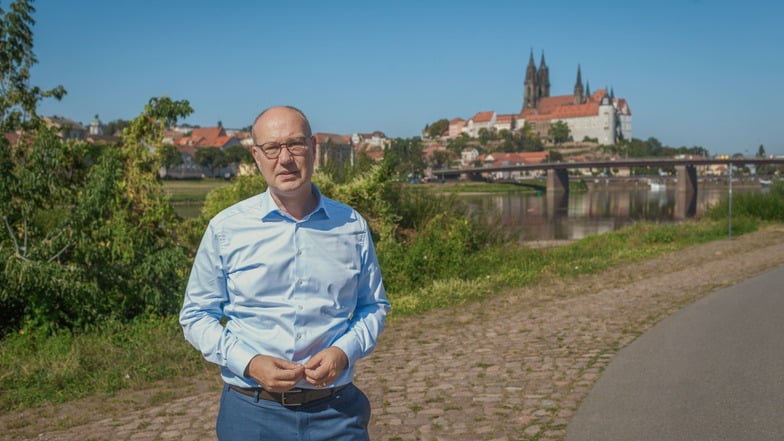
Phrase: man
(285, 294)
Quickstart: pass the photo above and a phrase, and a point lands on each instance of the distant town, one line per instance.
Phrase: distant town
(579, 126)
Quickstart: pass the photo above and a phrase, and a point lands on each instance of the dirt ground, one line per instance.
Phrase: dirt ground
(513, 367)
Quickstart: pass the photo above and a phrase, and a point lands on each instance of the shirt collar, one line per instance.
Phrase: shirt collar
(271, 211)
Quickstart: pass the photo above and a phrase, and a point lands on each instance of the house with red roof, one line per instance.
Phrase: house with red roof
(203, 137)
(499, 159)
(188, 144)
(482, 120)
(505, 122)
(456, 127)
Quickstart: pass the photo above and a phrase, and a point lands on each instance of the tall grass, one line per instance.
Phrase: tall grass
(748, 209)
(38, 367)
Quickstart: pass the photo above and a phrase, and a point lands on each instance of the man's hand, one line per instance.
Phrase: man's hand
(325, 367)
(274, 374)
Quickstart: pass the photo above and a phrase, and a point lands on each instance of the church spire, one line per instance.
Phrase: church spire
(543, 79)
(579, 98)
(531, 90)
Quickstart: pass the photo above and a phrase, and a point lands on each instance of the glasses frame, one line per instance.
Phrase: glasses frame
(306, 145)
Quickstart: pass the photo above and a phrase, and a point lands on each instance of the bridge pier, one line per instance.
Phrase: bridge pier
(686, 191)
(557, 180)
(687, 178)
(557, 191)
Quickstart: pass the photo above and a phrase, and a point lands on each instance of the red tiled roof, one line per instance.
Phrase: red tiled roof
(623, 106)
(501, 119)
(563, 107)
(323, 138)
(483, 116)
(456, 120)
(205, 137)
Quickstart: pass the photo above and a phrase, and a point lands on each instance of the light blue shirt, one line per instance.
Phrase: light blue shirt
(285, 288)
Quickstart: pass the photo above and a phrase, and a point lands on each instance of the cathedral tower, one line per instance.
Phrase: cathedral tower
(579, 96)
(530, 98)
(543, 80)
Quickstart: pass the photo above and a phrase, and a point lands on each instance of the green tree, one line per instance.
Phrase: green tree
(442, 158)
(456, 145)
(87, 240)
(211, 157)
(404, 157)
(18, 99)
(761, 151)
(238, 154)
(170, 156)
(559, 132)
(530, 140)
(438, 128)
(115, 128)
(86, 233)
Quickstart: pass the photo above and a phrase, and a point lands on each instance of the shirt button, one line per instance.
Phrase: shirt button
(299, 307)
(299, 336)
(299, 281)
(299, 252)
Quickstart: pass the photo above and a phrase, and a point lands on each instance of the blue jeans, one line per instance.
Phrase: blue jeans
(344, 416)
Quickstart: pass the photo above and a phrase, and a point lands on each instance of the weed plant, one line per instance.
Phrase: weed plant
(748, 209)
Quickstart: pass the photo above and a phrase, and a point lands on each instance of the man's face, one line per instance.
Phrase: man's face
(289, 172)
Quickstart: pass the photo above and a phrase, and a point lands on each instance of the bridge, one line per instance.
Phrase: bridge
(558, 174)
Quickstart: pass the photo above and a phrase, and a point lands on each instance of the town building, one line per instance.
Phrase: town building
(599, 117)
(334, 151)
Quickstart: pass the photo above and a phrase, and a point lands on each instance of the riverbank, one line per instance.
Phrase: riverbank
(514, 366)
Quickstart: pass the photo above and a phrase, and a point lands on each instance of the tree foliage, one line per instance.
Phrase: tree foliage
(85, 237)
(18, 99)
(559, 132)
(438, 128)
(404, 156)
(86, 233)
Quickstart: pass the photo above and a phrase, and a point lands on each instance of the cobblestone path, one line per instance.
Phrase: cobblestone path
(514, 367)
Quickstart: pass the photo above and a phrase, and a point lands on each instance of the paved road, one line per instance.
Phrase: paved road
(713, 371)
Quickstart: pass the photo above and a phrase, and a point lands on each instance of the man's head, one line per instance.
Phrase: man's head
(283, 148)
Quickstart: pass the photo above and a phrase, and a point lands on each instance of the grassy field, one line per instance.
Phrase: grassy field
(191, 190)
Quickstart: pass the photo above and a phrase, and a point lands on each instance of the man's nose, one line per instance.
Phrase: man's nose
(285, 155)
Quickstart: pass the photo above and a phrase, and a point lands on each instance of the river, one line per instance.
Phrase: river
(598, 210)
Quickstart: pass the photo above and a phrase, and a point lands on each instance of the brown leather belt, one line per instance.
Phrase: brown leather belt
(294, 397)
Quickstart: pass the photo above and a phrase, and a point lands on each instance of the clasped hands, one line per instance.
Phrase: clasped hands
(278, 375)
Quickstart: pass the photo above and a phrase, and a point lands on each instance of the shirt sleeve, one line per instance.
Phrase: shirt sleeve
(202, 311)
(371, 310)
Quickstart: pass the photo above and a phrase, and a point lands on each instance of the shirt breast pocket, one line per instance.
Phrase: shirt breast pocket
(339, 262)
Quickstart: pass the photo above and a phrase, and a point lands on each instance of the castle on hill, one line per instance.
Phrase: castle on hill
(598, 116)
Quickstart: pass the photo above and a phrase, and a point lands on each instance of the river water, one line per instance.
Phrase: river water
(598, 210)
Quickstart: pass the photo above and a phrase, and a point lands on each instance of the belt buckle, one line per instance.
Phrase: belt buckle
(288, 398)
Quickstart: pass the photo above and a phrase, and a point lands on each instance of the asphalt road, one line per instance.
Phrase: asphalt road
(712, 371)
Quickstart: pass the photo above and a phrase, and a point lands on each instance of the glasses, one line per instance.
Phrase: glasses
(296, 147)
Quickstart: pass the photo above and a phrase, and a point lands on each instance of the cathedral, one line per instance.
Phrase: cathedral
(598, 116)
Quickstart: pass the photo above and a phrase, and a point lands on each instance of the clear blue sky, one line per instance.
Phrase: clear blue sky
(694, 72)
